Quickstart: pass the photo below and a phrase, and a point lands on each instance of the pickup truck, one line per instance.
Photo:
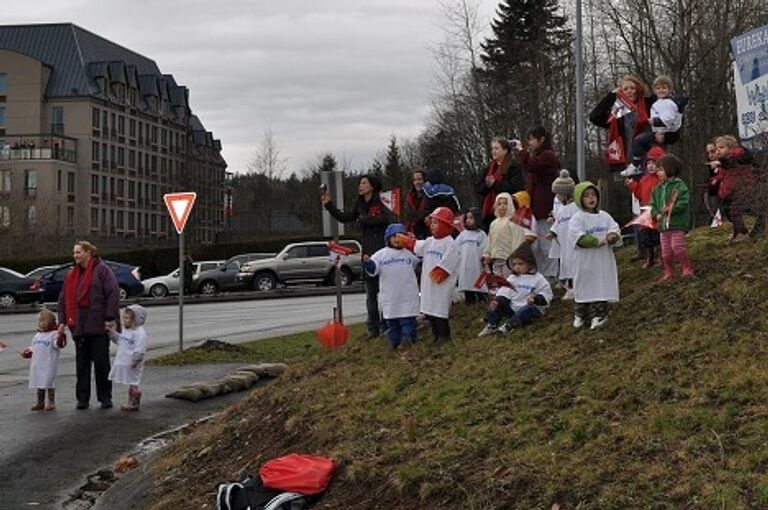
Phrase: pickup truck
(301, 262)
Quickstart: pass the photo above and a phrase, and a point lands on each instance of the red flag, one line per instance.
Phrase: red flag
(3, 346)
(492, 280)
(339, 248)
(391, 199)
(644, 220)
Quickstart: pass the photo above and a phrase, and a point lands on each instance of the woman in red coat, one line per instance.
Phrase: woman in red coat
(502, 175)
(540, 167)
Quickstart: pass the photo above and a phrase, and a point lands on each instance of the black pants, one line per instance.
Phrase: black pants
(598, 309)
(92, 349)
(441, 328)
(375, 321)
(471, 297)
(645, 140)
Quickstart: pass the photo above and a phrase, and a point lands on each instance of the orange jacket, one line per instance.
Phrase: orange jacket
(642, 189)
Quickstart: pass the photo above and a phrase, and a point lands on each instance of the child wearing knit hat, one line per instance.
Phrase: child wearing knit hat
(563, 188)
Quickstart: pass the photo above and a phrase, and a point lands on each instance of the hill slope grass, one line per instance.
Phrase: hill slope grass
(662, 408)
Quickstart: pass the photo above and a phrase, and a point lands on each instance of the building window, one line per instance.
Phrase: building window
(154, 134)
(95, 118)
(94, 151)
(31, 215)
(94, 218)
(113, 122)
(70, 217)
(120, 220)
(131, 221)
(121, 125)
(5, 181)
(57, 120)
(58, 180)
(120, 188)
(71, 183)
(132, 128)
(104, 121)
(3, 84)
(131, 190)
(131, 158)
(5, 216)
(120, 156)
(112, 153)
(95, 185)
(2, 116)
(30, 182)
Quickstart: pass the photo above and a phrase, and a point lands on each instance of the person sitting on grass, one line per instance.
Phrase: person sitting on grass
(399, 293)
(524, 300)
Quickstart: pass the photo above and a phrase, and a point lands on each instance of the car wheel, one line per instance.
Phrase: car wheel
(123, 294)
(158, 290)
(7, 300)
(345, 276)
(209, 288)
(264, 281)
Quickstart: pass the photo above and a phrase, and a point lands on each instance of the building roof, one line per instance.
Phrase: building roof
(69, 50)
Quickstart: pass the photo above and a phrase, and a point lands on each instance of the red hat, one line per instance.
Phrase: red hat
(656, 153)
(445, 217)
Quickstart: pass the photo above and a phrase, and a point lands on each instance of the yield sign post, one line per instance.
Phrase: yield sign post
(179, 206)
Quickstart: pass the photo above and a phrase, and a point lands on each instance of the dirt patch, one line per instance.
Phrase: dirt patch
(214, 345)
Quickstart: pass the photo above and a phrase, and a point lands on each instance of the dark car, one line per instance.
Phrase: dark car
(128, 278)
(224, 277)
(15, 288)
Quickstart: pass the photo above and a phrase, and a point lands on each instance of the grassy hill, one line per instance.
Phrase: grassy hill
(665, 407)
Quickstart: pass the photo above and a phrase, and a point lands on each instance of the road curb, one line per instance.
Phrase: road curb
(218, 298)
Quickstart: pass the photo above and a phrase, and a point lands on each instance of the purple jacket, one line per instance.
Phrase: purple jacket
(104, 299)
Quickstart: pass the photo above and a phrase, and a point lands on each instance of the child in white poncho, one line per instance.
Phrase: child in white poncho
(563, 188)
(128, 365)
(471, 243)
(44, 360)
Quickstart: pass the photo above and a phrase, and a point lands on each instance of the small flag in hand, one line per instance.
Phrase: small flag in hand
(3, 346)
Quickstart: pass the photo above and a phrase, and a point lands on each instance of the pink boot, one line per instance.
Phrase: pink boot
(668, 264)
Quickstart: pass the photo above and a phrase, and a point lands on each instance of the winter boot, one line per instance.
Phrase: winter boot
(668, 263)
(40, 401)
(50, 405)
(134, 399)
(685, 263)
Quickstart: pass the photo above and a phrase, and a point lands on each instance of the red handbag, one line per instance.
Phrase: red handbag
(305, 474)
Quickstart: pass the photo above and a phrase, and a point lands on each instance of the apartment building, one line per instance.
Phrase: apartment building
(92, 135)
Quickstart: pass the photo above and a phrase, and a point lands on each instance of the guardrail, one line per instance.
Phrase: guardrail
(223, 297)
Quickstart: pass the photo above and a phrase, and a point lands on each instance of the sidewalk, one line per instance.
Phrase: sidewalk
(44, 456)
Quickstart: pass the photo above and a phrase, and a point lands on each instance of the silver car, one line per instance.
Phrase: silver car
(161, 286)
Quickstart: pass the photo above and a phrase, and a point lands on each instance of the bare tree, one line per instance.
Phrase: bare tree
(270, 166)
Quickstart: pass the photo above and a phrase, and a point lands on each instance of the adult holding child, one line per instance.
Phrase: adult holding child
(89, 307)
(503, 175)
(373, 217)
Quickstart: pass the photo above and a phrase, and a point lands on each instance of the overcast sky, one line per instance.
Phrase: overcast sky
(336, 76)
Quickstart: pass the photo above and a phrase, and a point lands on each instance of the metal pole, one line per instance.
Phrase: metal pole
(581, 166)
(338, 314)
(181, 291)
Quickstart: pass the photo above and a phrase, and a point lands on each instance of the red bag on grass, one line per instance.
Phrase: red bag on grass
(305, 474)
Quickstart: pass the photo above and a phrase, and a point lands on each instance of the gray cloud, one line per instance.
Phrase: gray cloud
(335, 76)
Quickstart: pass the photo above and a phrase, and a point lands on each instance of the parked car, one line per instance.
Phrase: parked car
(40, 271)
(15, 288)
(223, 277)
(301, 262)
(161, 286)
(128, 278)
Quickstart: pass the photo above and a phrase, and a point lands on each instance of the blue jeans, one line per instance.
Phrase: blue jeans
(524, 316)
(402, 329)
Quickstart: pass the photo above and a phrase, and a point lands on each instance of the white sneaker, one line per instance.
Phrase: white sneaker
(597, 322)
(630, 171)
(487, 330)
(504, 328)
(578, 322)
(568, 296)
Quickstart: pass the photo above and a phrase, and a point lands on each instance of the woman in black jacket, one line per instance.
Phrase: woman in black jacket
(504, 174)
(415, 205)
(373, 217)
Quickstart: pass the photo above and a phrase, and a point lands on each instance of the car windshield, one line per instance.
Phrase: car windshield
(12, 272)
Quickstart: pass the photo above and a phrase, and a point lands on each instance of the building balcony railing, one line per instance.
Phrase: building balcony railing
(39, 147)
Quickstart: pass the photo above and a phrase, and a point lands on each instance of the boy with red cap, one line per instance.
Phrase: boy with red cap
(647, 238)
(439, 271)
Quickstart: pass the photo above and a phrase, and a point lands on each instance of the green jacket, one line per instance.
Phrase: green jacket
(680, 219)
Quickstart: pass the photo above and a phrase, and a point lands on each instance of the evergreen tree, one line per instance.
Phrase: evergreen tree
(393, 167)
(376, 169)
(529, 45)
(328, 163)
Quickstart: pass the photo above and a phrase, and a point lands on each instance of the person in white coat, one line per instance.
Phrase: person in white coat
(593, 233)
(563, 188)
(43, 354)
(471, 243)
(440, 265)
(524, 300)
(399, 290)
(128, 364)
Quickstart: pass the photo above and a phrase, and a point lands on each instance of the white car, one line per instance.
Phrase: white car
(161, 286)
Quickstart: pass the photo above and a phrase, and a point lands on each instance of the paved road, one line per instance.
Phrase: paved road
(45, 455)
(234, 321)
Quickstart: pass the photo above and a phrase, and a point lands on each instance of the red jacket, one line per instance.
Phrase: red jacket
(736, 173)
(642, 189)
(541, 169)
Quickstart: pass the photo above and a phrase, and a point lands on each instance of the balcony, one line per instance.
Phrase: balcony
(39, 147)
